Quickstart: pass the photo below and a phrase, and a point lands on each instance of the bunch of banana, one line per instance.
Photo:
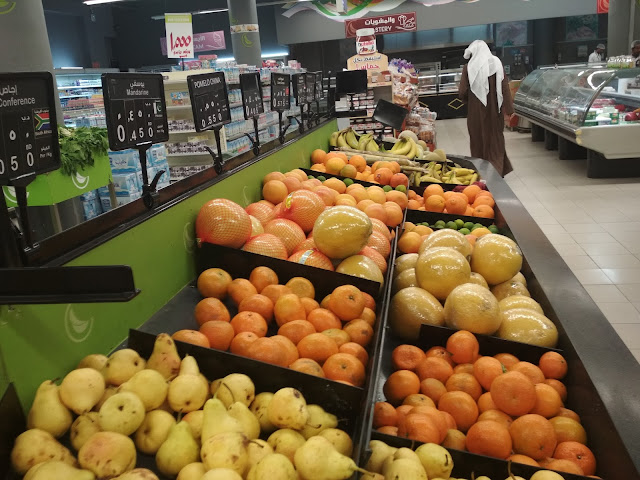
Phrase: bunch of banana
(367, 143)
(407, 147)
(433, 175)
(460, 176)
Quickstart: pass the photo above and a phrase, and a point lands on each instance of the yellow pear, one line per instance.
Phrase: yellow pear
(250, 424)
(195, 419)
(286, 442)
(165, 358)
(436, 460)
(121, 366)
(150, 387)
(138, 474)
(95, 361)
(187, 392)
(193, 471)
(57, 470)
(110, 391)
(81, 389)
(122, 413)
(273, 467)
(216, 419)
(47, 412)
(108, 454)
(340, 440)
(221, 474)
(153, 431)
(259, 407)
(318, 421)
(83, 428)
(226, 450)
(235, 387)
(318, 460)
(380, 451)
(257, 450)
(405, 469)
(177, 451)
(36, 446)
(288, 409)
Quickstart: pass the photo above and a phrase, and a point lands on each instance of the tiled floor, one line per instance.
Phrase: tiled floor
(598, 238)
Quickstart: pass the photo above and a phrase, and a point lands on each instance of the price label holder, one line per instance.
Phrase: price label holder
(210, 105)
(252, 104)
(281, 99)
(389, 114)
(300, 94)
(318, 93)
(136, 117)
(310, 89)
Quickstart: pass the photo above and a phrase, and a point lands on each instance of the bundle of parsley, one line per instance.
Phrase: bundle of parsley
(78, 147)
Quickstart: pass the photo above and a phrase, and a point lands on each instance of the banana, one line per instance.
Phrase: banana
(351, 139)
(341, 140)
(427, 178)
(333, 141)
(405, 148)
(463, 171)
(474, 178)
(364, 140)
(397, 145)
(420, 151)
(414, 150)
(372, 146)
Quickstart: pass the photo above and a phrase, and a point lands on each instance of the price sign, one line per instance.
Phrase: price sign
(251, 90)
(310, 86)
(28, 127)
(209, 100)
(135, 109)
(299, 89)
(319, 89)
(280, 93)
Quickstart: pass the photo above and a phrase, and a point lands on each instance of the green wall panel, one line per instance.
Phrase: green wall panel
(41, 342)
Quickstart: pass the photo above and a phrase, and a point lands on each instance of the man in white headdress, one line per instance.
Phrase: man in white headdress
(486, 91)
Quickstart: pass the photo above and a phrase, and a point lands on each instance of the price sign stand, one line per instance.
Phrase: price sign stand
(252, 104)
(389, 114)
(210, 105)
(281, 100)
(318, 92)
(136, 118)
(310, 96)
(300, 94)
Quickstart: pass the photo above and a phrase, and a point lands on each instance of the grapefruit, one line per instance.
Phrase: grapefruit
(342, 231)
(447, 237)
(223, 222)
(440, 270)
(361, 266)
(478, 280)
(405, 262)
(474, 308)
(509, 288)
(519, 301)
(312, 258)
(410, 308)
(266, 244)
(404, 280)
(256, 226)
(287, 231)
(302, 207)
(261, 211)
(528, 326)
(497, 258)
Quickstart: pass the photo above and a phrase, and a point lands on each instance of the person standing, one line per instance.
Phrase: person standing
(635, 51)
(597, 55)
(485, 90)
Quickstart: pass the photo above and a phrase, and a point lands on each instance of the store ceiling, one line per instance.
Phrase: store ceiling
(75, 7)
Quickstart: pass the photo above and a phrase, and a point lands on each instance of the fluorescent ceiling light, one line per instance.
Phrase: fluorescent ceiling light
(71, 68)
(266, 55)
(98, 2)
(204, 12)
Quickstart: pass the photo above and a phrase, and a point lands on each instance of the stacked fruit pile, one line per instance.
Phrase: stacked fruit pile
(414, 235)
(472, 201)
(406, 147)
(216, 435)
(502, 404)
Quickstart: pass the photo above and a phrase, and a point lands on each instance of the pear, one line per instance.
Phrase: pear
(122, 413)
(226, 450)
(165, 358)
(187, 392)
(318, 421)
(121, 366)
(83, 427)
(194, 419)
(286, 442)
(288, 409)
(110, 391)
(250, 424)
(108, 454)
(374, 476)
(380, 451)
(401, 453)
(153, 431)
(235, 387)
(95, 361)
(340, 440)
(36, 446)
(259, 408)
(221, 474)
(150, 387)
(177, 451)
(546, 475)
(257, 450)
(273, 467)
(193, 471)
(405, 469)
(47, 412)
(436, 460)
(318, 460)
(217, 420)
(57, 470)
(138, 474)
(81, 389)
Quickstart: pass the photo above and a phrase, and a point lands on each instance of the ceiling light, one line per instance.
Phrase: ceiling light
(71, 68)
(204, 12)
(98, 2)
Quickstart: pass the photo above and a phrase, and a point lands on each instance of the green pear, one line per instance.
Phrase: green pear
(188, 392)
(217, 420)
(257, 450)
(436, 460)
(221, 474)
(121, 366)
(165, 358)
(109, 392)
(47, 412)
(318, 421)
(286, 441)
(153, 431)
(83, 427)
(288, 409)
(318, 460)
(226, 450)
(36, 446)
(122, 413)
(250, 424)
(405, 469)
(95, 361)
(401, 453)
(340, 440)
(273, 467)
(193, 471)
(138, 474)
(235, 387)
(177, 451)
(380, 451)
(150, 387)
(194, 419)
(108, 454)
(57, 470)
(81, 389)
(259, 407)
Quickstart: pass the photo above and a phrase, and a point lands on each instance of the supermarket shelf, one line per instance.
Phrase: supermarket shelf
(78, 87)
(178, 107)
(194, 154)
(83, 95)
(176, 132)
(235, 105)
(260, 127)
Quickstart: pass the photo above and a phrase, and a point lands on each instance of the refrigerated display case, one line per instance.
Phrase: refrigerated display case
(438, 89)
(590, 107)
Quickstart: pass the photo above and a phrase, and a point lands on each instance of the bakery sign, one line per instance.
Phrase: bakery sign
(397, 23)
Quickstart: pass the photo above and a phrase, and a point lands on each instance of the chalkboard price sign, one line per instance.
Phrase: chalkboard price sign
(28, 127)
(310, 86)
(251, 90)
(280, 92)
(135, 109)
(209, 100)
(299, 89)
(319, 89)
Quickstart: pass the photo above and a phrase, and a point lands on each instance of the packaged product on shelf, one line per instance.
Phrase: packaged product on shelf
(125, 161)
(422, 122)
(157, 154)
(179, 98)
(91, 205)
(127, 183)
(405, 82)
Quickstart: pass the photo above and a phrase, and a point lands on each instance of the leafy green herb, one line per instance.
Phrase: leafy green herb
(78, 147)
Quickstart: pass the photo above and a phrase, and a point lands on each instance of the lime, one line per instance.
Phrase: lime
(440, 223)
(465, 231)
(452, 225)
(468, 225)
(387, 188)
(477, 225)
(425, 224)
(460, 223)
(401, 188)
(493, 229)
(322, 179)
(348, 181)
(310, 177)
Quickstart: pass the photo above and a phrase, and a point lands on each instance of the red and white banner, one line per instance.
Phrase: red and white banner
(397, 23)
(179, 32)
(603, 6)
(202, 42)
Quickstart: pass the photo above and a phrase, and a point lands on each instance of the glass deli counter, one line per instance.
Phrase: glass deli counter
(438, 89)
(597, 109)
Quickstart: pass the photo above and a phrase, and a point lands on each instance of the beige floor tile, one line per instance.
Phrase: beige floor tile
(605, 249)
(631, 291)
(629, 333)
(623, 275)
(616, 261)
(605, 294)
(620, 312)
(583, 227)
(579, 262)
(569, 250)
(592, 276)
(589, 238)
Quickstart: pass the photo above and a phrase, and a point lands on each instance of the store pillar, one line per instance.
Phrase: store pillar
(624, 26)
(245, 34)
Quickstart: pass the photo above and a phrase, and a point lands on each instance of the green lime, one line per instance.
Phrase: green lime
(477, 225)
(322, 179)
(348, 181)
(460, 223)
(468, 225)
(440, 223)
(452, 225)
(493, 229)
(401, 188)
(387, 188)
(425, 224)
(310, 177)
(465, 231)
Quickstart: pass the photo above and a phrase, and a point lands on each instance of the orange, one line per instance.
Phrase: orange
(471, 191)
(308, 244)
(346, 199)
(399, 179)
(434, 367)
(383, 176)
(219, 334)
(377, 194)
(464, 368)
(463, 347)
(565, 412)
(553, 365)
(403, 411)
(289, 348)
(335, 184)
(484, 211)
(334, 165)
(298, 173)
(434, 203)
(486, 369)
(507, 359)
(318, 156)
(275, 191)
(496, 416)
(380, 243)
(214, 282)
(485, 402)
(296, 330)
(418, 400)
(269, 351)
(578, 453)
(464, 382)
(568, 430)
(432, 388)
(400, 385)
(259, 304)
(369, 301)
(530, 370)
(389, 431)
(433, 189)
(481, 232)
(415, 205)
(308, 366)
(440, 352)
(288, 308)
(548, 401)
(347, 302)
(344, 367)
(395, 214)
(456, 205)
(261, 277)
(513, 393)
(489, 438)
(325, 301)
(211, 309)
(455, 440)
(274, 292)
(380, 227)
(419, 427)
(484, 200)
(356, 350)
(301, 287)
(409, 242)
(375, 210)
(323, 319)
(273, 176)
(191, 336)
(249, 322)
(462, 408)
(359, 331)
(359, 162)
(293, 183)
(368, 316)
(319, 167)
(242, 342)
(384, 415)
(398, 198)
(469, 211)
(436, 416)
(309, 304)
(394, 166)
(523, 459)
(241, 288)
(533, 436)
(566, 466)
(339, 336)
(341, 155)
(317, 347)
(449, 420)
(406, 357)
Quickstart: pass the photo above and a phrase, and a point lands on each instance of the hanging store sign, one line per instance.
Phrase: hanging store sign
(397, 23)
(603, 6)
(202, 42)
(179, 31)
